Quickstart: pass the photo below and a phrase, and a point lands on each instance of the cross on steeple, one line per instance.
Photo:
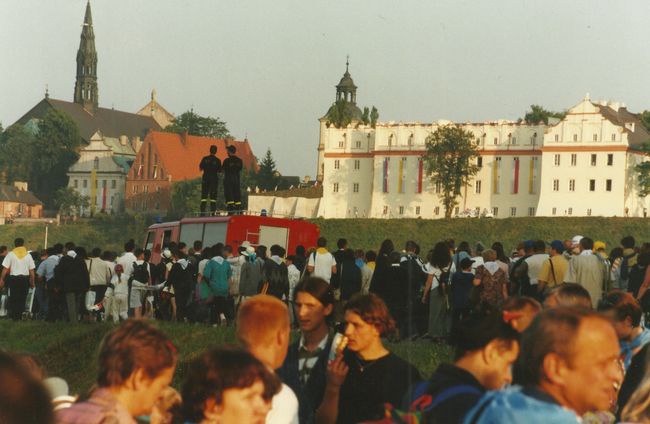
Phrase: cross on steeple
(347, 63)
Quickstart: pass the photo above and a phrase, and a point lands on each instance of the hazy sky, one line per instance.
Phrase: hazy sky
(268, 68)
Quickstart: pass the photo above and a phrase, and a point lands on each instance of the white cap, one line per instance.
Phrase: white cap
(575, 241)
(167, 253)
(246, 243)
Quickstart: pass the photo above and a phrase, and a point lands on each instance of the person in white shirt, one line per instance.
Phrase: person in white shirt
(321, 263)
(19, 264)
(294, 277)
(128, 258)
(269, 344)
(100, 275)
(119, 294)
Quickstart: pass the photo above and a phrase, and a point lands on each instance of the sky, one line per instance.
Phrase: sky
(269, 68)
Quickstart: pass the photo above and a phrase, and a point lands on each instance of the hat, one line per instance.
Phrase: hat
(245, 243)
(528, 244)
(167, 253)
(249, 251)
(599, 245)
(575, 241)
(557, 245)
(466, 263)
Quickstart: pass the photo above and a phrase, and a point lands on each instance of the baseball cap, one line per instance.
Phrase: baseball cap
(599, 245)
(463, 255)
(557, 245)
(466, 263)
(575, 241)
(528, 244)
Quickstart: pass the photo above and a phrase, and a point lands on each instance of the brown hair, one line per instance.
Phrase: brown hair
(220, 369)
(623, 304)
(518, 303)
(373, 311)
(134, 345)
(259, 318)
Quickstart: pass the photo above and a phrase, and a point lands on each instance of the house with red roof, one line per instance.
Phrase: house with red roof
(166, 158)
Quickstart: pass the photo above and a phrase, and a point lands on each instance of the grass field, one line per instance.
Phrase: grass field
(111, 232)
(70, 351)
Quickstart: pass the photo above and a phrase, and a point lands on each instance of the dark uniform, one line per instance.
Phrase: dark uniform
(232, 167)
(211, 166)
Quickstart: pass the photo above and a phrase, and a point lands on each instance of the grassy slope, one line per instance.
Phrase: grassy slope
(111, 233)
(70, 351)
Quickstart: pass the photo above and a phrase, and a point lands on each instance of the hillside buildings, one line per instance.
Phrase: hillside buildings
(582, 165)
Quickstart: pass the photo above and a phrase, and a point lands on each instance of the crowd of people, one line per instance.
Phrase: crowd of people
(553, 332)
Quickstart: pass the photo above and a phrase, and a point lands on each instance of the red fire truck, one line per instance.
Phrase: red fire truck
(232, 230)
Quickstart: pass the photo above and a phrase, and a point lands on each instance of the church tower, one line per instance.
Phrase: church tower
(85, 88)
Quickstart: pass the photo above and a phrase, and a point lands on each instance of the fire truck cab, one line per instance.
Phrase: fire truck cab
(233, 231)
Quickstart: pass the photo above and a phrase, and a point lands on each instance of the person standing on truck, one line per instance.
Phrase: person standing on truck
(211, 166)
(232, 167)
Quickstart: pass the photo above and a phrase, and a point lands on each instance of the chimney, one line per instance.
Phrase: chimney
(20, 185)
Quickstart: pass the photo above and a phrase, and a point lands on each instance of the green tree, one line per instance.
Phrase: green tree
(195, 124)
(538, 114)
(374, 116)
(267, 177)
(449, 162)
(645, 119)
(16, 154)
(339, 114)
(69, 202)
(56, 148)
(366, 116)
(643, 172)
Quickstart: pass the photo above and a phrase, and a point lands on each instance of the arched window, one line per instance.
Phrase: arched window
(96, 163)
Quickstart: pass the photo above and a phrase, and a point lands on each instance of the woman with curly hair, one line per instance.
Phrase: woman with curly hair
(366, 375)
(227, 385)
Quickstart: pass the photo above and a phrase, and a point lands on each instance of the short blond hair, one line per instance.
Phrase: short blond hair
(260, 318)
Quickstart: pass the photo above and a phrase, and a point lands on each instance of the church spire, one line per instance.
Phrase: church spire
(85, 89)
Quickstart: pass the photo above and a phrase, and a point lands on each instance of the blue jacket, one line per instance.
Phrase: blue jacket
(515, 405)
(217, 273)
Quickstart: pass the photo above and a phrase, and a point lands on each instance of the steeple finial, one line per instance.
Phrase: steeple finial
(88, 18)
(153, 95)
(347, 63)
(47, 92)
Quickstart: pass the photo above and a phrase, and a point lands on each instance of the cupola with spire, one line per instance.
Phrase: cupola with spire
(346, 96)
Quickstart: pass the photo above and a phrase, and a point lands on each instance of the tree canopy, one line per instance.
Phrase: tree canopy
(643, 172)
(339, 114)
(267, 177)
(195, 124)
(538, 114)
(41, 157)
(449, 160)
(645, 119)
(69, 202)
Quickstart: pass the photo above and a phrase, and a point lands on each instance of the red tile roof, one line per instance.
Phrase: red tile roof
(180, 154)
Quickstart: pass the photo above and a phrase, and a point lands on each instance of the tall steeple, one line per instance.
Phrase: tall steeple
(85, 88)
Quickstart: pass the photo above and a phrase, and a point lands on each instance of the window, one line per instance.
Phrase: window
(531, 211)
(608, 185)
(438, 187)
(572, 185)
(145, 188)
(574, 159)
(113, 184)
(613, 137)
(417, 210)
(479, 162)
(496, 140)
(355, 187)
(135, 188)
(385, 212)
(570, 211)
(401, 210)
(96, 163)
(495, 211)
(592, 185)
(556, 160)
(103, 183)
(436, 210)
(514, 140)
(595, 137)
(358, 144)
(588, 212)
(155, 172)
(85, 184)
(610, 159)
(513, 211)
(557, 138)
(593, 160)
(337, 164)
(554, 211)
(556, 185)
(357, 164)
(336, 188)
(575, 137)
(477, 187)
(75, 183)
(341, 144)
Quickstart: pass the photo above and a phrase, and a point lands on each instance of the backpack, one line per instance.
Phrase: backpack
(140, 273)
